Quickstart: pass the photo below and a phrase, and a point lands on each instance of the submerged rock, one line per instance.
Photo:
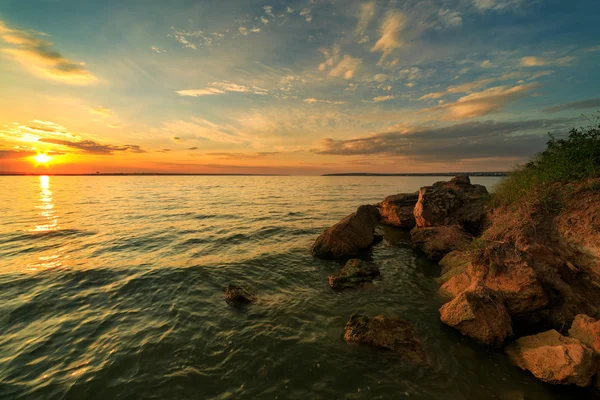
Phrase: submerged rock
(587, 330)
(438, 241)
(353, 274)
(456, 202)
(398, 210)
(389, 333)
(238, 295)
(554, 358)
(348, 237)
(479, 313)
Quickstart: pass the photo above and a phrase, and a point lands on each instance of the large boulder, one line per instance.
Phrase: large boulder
(520, 287)
(438, 241)
(348, 237)
(554, 358)
(354, 273)
(236, 295)
(587, 330)
(456, 202)
(479, 313)
(389, 333)
(398, 210)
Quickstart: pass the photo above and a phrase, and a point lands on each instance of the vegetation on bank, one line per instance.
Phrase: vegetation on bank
(572, 159)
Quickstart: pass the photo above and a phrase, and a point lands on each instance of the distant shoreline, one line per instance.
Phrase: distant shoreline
(185, 174)
(424, 174)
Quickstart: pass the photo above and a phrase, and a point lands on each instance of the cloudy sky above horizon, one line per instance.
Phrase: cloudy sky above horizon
(293, 87)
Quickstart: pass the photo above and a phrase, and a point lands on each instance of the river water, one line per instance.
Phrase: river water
(113, 287)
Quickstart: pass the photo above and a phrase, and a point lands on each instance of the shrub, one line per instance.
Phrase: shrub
(565, 160)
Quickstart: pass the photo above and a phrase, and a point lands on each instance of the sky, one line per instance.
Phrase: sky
(292, 87)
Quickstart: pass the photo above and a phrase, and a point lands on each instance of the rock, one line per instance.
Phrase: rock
(520, 288)
(479, 313)
(238, 295)
(452, 264)
(587, 330)
(438, 241)
(461, 281)
(398, 210)
(345, 239)
(457, 202)
(389, 333)
(554, 358)
(353, 274)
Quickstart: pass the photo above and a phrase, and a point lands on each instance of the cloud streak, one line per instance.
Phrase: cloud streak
(576, 105)
(452, 143)
(485, 102)
(93, 147)
(39, 57)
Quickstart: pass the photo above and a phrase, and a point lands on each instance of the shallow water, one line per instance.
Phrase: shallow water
(113, 287)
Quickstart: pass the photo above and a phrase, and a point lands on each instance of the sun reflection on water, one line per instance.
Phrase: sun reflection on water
(48, 222)
(46, 207)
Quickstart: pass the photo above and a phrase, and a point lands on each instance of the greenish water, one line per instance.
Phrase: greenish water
(113, 287)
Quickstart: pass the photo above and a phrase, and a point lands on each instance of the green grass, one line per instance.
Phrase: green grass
(572, 159)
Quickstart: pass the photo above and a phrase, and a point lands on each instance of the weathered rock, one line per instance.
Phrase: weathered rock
(389, 333)
(554, 358)
(438, 241)
(398, 210)
(354, 273)
(461, 281)
(457, 202)
(520, 288)
(480, 314)
(238, 295)
(348, 237)
(452, 264)
(587, 330)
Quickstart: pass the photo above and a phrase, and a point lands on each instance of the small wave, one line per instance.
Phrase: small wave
(34, 235)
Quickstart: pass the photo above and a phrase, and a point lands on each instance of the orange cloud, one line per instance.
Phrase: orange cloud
(484, 102)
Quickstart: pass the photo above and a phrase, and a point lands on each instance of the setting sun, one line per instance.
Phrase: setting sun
(42, 158)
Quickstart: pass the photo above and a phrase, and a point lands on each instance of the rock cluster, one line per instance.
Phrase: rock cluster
(518, 279)
(447, 214)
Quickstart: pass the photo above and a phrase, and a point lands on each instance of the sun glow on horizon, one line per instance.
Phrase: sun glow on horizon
(42, 158)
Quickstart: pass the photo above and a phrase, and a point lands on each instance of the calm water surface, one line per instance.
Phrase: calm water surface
(113, 287)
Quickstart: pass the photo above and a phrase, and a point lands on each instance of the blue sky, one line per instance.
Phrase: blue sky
(299, 87)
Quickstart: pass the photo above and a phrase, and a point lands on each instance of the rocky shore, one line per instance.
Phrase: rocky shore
(529, 287)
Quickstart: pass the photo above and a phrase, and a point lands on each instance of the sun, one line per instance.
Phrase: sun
(42, 158)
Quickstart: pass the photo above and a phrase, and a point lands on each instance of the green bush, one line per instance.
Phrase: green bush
(565, 160)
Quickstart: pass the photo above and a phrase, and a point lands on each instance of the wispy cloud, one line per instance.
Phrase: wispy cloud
(199, 92)
(158, 50)
(102, 111)
(450, 18)
(576, 105)
(485, 102)
(391, 29)
(346, 66)
(543, 62)
(93, 147)
(306, 13)
(366, 14)
(383, 98)
(470, 86)
(39, 57)
(312, 100)
(216, 88)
